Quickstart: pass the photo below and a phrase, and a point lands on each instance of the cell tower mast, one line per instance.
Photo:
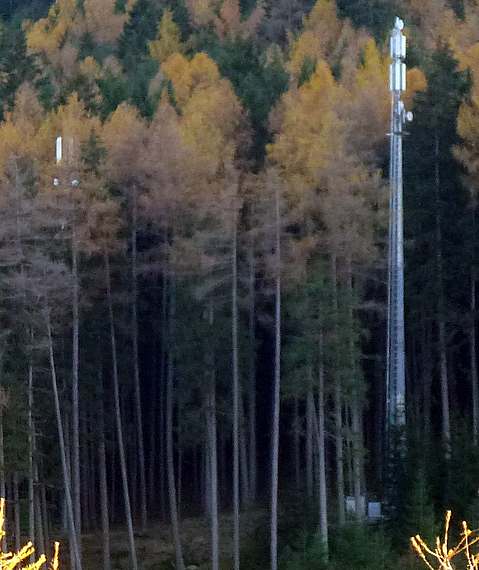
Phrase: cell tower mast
(395, 378)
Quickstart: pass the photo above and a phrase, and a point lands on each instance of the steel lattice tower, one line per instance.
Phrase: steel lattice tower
(395, 378)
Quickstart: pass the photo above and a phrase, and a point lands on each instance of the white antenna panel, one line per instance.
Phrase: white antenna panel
(59, 149)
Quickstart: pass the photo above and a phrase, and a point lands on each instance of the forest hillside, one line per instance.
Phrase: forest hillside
(193, 280)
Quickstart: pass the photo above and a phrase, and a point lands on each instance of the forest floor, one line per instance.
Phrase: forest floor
(155, 547)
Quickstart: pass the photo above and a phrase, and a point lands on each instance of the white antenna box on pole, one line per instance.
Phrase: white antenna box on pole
(59, 149)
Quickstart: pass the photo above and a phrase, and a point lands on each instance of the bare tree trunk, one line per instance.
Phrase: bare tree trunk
(136, 366)
(76, 561)
(338, 407)
(16, 511)
(180, 565)
(245, 488)
(236, 395)
(31, 486)
(426, 365)
(309, 438)
(296, 443)
(323, 494)
(40, 537)
(276, 391)
(179, 450)
(105, 521)
(213, 467)
(3, 492)
(119, 428)
(45, 518)
(319, 431)
(446, 423)
(356, 407)
(473, 357)
(163, 371)
(153, 472)
(252, 378)
(75, 442)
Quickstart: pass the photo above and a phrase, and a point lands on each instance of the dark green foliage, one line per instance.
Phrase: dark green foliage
(355, 546)
(308, 553)
(433, 135)
(93, 153)
(417, 513)
(463, 487)
(284, 17)
(307, 70)
(140, 29)
(375, 15)
(133, 52)
(114, 90)
(15, 66)
(362, 547)
(258, 83)
(19, 9)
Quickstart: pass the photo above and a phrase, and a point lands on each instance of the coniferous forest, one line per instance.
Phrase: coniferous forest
(193, 300)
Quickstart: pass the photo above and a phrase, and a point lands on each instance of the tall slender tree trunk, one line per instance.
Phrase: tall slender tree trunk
(118, 421)
(45, 517)
(213, 467)
(323, 494)
(3, 493)
(473, 356)
(170, 461)
(309, 437)
(105, 520)
(236, 397)
(252, 376)
(276, 390)
(31, 485)
(426, 366)
(39, 531)
(136, 366)
(338, 405)
(356, 407)
(296, 443)
(75, 442)
(245, 485)
(472, 333)
(16, 510)
(163, 372)
(179, 452)
(443, 368)
(76, 560)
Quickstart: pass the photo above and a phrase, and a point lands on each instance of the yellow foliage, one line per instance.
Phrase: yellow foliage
(102, 22)
(310, 125)
(13, 561)
(123, 135)
(440, 555)
(18, 131)
(225, 16)
(187, 76)
(168, 40)
(325, 37)
(201, 12)
(211, 119)
(72, 122)
(48, 34)
(90, 68)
